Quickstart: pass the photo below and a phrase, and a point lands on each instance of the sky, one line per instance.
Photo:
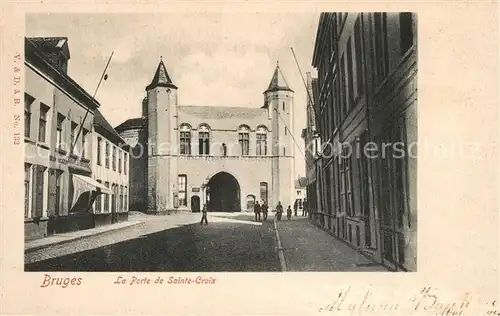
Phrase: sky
(213, 58)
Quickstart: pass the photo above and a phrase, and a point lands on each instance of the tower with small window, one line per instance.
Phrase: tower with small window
(161, 103)
(278, 99)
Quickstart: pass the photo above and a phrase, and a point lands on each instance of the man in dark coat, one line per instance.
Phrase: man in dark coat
(265, 209)
(279, 211)
(304, 208)
(204, 215)
(295, 207)
(256, 209)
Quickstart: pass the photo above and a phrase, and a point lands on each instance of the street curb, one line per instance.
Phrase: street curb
(280, 248)
(30, 250)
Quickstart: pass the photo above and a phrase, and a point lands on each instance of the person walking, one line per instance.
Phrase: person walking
(289, 213)
(204, 215)
(295, 207)
(304, 208)
(256, 209)
(279, 211)
(264, 211)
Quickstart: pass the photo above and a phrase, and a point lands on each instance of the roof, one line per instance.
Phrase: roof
(138, 122)
(52, 44)
(161, 78)
(100, 121)
(278, 81)
(36, 58)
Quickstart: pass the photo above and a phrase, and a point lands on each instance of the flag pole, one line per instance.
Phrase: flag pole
(103, 76)
(311, 103)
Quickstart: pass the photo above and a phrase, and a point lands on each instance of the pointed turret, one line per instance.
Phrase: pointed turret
(161, 78)
(278, 82)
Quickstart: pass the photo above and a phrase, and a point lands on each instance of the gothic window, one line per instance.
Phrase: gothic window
(261, 141)
(263, 192)
(244, 138)
(185, 140)
(204, 140)
(182, 184)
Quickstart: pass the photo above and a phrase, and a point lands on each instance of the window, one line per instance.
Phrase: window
(284, 151)
(58, 191)
(99, 150)
(348, 184)
(125, 167)
(107, 155)
(285, 129)
(59, 133)
(114, 158)
(203, 141)
(243, 136)
(298, 192)
(261, 141)
(125, 201)
(39, 188)
(84, 142)
(121, 204)
(381, 59)
(283, 105)
(406, 31)
(182, 184)
(106, 198)
(119, 162)
(224, 149)
(28, 101)
(343, 88)
(263, 192)
(73, 135)
(350, 76)
(42, 126)
(27, 189)
(98, 202)
(359, 56)
(185, 140)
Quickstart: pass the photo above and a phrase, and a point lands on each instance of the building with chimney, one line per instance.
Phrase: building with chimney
(366, 101)
(183, 156)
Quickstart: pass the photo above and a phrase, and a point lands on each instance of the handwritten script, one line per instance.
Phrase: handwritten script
(426, 302)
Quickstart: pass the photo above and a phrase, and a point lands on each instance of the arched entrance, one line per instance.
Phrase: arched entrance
(224, 193)
(195, 204)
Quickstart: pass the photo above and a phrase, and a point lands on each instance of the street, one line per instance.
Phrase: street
(228, 243)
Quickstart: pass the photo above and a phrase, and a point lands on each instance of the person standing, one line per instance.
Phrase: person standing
(295, 207)
(289, 213)
(304, 208)
(264, 211)
(204, 215)
(279, 211)
(256, 209)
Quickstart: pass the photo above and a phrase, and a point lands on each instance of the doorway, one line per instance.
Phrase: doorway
(250, 202)
(195, 204)
(224, 193)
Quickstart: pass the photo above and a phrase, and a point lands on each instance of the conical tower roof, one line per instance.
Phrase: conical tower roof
(161, 78)
(278, 82)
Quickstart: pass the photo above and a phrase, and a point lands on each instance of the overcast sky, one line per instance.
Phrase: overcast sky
(214, 59)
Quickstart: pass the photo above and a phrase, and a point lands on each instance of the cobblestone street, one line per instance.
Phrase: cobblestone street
(231, 242)
(168, 243)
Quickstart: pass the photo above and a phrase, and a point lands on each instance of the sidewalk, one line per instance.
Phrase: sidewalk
(308, 248)
(36, 244)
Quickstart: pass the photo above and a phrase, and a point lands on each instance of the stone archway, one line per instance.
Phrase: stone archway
(224, 193)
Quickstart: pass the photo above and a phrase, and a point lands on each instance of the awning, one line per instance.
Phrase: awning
(93, 183)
